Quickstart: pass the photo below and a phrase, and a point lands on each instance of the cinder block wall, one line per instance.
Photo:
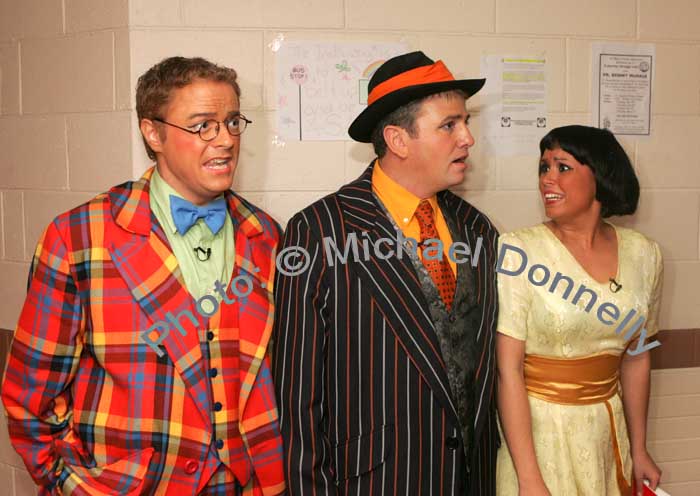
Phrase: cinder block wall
(67, 129)
(64, 136)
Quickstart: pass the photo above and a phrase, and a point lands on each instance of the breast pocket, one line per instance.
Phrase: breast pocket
(362, 454)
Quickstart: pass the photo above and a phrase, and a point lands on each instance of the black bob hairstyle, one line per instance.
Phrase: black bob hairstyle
(616, 184)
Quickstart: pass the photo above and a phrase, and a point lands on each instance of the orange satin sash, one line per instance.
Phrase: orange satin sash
(578, 381)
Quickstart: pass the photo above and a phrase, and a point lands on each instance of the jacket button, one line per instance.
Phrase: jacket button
(213, 372)
(452, 443)
(191, 467)
(219, 443)
(218, 406)
(210, 336)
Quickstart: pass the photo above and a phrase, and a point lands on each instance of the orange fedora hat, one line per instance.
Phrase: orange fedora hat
(399, 81)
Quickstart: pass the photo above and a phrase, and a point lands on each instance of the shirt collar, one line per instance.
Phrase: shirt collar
(160, 194)
(400, 202)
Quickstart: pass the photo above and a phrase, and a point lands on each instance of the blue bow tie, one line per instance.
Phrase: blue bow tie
(186, 214)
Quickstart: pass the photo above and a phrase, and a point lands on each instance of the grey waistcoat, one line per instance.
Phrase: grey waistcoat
(456, 332)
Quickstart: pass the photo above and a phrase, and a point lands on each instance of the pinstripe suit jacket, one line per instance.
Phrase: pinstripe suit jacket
(95, 410)
(365, 403)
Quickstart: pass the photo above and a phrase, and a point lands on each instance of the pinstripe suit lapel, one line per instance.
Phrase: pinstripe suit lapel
(146, 263)
(463, 213)
(452, 211)
(395, 286)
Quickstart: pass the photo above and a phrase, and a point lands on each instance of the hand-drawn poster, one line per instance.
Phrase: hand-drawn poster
(322, 86)
(513, 103)
(621, 87)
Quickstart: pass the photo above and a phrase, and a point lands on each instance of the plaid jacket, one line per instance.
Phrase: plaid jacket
(92, 409)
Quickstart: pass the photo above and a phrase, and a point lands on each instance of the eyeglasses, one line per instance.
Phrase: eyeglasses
(209, 130)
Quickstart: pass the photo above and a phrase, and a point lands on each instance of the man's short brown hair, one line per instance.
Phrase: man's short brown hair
(155, 85)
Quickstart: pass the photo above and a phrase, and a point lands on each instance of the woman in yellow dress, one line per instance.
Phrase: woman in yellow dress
(579, 300)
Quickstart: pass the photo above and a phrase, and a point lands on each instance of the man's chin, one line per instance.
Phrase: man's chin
(220, 182)
(456, 178)
(216, 190)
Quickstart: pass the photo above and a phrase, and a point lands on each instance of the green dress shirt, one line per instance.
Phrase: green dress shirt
(200, 276)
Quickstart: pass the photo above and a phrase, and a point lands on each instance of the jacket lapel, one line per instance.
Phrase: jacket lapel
(145, 261)
(256, 240)
(483, 294)
(450, 206)
(394, 285)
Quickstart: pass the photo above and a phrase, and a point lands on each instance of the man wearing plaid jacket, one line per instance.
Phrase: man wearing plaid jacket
(138, 364)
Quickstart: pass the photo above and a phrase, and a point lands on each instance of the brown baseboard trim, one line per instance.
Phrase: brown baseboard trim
(679, 348)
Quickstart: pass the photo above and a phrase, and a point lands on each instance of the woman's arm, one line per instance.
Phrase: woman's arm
(634, 376)
(514, 411)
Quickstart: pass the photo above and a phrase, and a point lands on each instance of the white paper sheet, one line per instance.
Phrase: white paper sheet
(514, 104)
(322, 86)
(621, 87)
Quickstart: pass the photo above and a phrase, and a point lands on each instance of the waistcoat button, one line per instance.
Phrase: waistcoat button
(191, 467)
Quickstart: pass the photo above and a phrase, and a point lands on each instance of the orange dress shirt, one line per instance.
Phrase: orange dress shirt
(402, 205)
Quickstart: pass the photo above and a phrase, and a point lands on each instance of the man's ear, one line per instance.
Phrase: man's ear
(152, 135)
(396, 139)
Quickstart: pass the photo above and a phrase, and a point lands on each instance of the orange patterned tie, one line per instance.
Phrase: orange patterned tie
(439, 270)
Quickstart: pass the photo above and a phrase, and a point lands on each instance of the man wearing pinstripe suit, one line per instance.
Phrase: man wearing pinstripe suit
(384, 365)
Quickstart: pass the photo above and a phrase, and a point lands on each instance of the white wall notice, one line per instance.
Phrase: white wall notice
(322, 86)
(621, 87)
(514, 103)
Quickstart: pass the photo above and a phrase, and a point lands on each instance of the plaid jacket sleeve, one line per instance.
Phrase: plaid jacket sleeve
(43, 360)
